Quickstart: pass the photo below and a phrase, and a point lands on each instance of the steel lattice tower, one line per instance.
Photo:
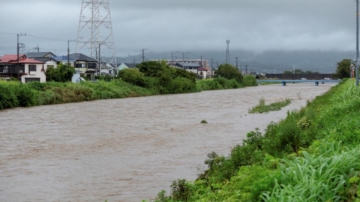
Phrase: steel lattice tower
(227, 61)
(95, 28)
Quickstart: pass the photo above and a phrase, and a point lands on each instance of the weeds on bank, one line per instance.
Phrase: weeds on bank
(262, 107)
(203, 121)
(312, 155)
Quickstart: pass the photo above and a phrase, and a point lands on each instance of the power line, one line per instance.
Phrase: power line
(39, 37)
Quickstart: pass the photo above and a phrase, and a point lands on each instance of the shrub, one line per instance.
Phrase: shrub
(133, 76)
(181, 190)
(181, 85)
(25, 96)
(249, 80)
(62, 73)
(8, 97)
(229, 72)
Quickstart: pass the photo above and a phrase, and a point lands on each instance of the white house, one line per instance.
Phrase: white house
(34, 70)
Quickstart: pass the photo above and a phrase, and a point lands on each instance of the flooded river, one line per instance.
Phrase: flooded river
(128, 149)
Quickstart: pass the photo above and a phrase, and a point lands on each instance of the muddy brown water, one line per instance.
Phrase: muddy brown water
(128, 149)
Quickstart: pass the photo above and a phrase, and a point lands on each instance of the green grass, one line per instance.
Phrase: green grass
(312, 155)
(262, 107)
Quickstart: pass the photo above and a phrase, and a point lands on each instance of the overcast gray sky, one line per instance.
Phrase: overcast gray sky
(185, 25)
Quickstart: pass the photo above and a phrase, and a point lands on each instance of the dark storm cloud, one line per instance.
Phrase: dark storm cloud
(166, 25)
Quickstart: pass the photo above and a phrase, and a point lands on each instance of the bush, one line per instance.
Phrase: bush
(229, 72)
(62, 73)
(8, 98)
(180, 85)
(249, 80)
(133, 76)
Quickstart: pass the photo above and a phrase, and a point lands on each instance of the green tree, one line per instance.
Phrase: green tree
(343, 69)
(298, 71)
(287, 72)
(229, 72)
(133, 76)
(152, 68)
(62, 73)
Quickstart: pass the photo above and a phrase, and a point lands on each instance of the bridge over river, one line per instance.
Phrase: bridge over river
(128, 149)
(284, 81)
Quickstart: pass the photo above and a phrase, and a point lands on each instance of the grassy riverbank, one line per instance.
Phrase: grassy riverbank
(312, 155)
(15, 94)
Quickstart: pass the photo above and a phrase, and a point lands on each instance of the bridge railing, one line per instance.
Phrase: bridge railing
(297, 81)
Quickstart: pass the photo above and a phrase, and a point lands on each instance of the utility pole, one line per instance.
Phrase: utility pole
(69, 51)
(227, 52)
(237, 64)
(246, 69)
(211, 63)
(357, 42)
(172, 57)
(18, 47)
(37, 48)
(99, 59)
(143, 55)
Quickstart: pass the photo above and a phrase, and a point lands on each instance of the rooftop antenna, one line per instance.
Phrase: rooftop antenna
(95, 16)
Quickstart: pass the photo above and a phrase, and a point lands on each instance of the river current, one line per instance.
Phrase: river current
(128, 149)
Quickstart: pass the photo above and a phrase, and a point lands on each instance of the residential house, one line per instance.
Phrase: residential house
(9, 69)
(189, 66)
(48, 62)
(64, 59)
(24, 68)
(203, 72)
(86, 65)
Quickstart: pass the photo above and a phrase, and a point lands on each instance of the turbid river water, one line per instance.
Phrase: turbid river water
(128, 149)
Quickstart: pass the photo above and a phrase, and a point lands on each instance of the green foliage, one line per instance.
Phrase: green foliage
(133, 76)
(181, 190)
(343, 69)
(15, 94)
(318, 177)
(203, 121)
(8, 98)
(216, 84)
(229, 72)
(62, 73)
(249, 80)
(261, 107)
(152, 68)
(312, 155)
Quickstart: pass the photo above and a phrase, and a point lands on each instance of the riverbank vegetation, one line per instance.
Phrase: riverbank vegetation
(149, 78)
(312, 155)
(262, 107)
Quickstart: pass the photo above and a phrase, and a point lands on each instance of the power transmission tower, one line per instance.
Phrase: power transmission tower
(95, 16)
(227, 52)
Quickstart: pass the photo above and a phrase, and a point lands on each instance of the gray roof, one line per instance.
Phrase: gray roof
(82, 57)
(62, 58)
(43, 59)
(38, 54)
(188, 64)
